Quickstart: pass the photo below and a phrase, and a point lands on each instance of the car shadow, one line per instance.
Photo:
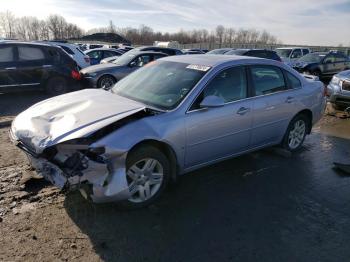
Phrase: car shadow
(214, 214)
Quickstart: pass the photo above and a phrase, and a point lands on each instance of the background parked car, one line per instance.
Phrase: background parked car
(74, 51)
(322, 64)
(262, 53)
(106, 75)
(220, 51)
(338, 90)
(97, 54)
(192, 52)
(290, 54)
(33, 66)
(165, 50)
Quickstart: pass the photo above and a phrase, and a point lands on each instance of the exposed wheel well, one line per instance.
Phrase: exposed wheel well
(164, 148)
(308, 114)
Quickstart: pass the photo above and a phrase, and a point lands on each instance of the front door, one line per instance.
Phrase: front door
(8, 67)
(31, 65)
(214, 133)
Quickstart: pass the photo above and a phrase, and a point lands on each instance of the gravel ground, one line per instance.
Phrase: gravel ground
(264, 206)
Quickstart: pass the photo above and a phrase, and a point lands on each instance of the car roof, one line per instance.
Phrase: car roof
(146, 53)
(103, 49)
(155, 47)
(208, 60)
(24, 43)
(293, 47)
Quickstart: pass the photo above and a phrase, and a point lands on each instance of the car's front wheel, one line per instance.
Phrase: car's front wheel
(296, 132)
(148, 173)
(106, 82)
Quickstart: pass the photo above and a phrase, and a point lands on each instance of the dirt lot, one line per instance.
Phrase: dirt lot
(262, 206)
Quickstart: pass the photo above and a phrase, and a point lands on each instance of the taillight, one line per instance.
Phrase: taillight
(76, 75)
(87, 59)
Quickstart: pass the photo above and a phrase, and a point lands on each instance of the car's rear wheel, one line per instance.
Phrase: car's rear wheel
(148, 173)
(296, 132)
(106, 82)
(56, 86)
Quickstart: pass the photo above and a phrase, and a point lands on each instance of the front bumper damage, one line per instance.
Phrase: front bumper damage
(99, 178)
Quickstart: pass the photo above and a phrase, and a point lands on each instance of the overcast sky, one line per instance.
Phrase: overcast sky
(313, 22)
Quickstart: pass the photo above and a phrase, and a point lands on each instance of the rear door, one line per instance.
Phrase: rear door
(329, 65)
(341, 62)
(214, 133)
(8, 67)
(273, 104)
(32, 64)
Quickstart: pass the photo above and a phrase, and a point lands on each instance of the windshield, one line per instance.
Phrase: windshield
(124, 59)
(285, 53)
(161, 84)
(312, 58)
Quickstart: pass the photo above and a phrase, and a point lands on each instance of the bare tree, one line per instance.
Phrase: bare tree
(220, 30)
(7, 24)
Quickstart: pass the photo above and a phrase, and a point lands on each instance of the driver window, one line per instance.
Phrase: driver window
(142, 60)
(296, 53)
(230, 84)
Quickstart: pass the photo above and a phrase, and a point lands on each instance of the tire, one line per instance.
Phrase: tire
(56, 86)
(106, 82)
(300, 122)
(139, 181)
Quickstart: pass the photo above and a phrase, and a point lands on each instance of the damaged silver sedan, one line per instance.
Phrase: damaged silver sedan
(168, 118)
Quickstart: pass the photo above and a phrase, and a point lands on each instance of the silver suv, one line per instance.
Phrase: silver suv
(338, 90)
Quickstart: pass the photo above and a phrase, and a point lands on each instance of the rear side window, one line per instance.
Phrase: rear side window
(340, 58)
(6, 54)
(292, 80)
(306, 51)
(109, 54)
(267, 80)
(29, 53)
(67, 49)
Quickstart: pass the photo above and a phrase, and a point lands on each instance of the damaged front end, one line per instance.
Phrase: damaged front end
(77, 165)
(74, 166)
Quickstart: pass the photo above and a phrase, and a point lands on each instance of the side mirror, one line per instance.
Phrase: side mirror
(132, 64)
(212, 101)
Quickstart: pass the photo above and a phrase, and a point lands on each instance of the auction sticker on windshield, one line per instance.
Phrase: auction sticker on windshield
(199, 67)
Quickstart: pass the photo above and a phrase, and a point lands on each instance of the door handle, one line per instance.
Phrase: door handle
(45, 66)
(289, 99)
(11, 68)
(243, 110)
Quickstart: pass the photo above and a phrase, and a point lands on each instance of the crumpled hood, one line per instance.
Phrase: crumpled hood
(70, 116)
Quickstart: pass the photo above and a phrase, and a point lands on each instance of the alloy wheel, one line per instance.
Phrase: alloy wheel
(297, 134)
(145, 178)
